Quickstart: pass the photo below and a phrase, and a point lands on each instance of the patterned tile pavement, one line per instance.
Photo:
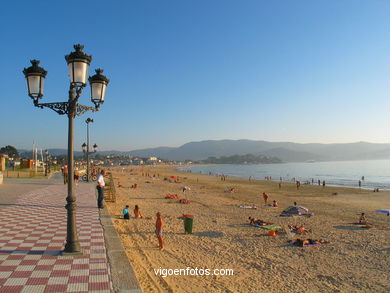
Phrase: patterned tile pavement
(32, 235)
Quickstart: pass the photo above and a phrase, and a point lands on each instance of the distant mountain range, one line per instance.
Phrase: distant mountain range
(285, 151)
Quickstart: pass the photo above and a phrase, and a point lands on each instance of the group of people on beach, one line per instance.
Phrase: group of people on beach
(138, 215)
(274, 202)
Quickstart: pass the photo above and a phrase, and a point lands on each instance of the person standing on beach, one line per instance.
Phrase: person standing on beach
(159, 226)
(100, 187)
(360, 184)
(323, 183)
(265, 197)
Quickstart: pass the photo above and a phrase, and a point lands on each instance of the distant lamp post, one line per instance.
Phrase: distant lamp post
(85, 147)
(47, 170)
(78, 65)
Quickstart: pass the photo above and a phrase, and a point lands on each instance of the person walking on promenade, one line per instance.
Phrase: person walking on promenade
(65, 173)
(76, 176)
(159, 226)
(100, 187)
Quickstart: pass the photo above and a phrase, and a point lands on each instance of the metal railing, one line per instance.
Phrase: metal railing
(109, 189)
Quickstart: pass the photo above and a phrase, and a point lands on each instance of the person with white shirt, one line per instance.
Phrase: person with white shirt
(100, 187)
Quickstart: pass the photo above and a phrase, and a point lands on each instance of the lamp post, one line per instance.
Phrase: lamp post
(78, 65)
(85, 147)
(47, 170)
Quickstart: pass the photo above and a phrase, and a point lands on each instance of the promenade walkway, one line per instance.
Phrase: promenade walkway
(33, 233)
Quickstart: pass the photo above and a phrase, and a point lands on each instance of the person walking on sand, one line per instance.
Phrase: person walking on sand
(159, 226)
(323, 184)
(265, 197)
(100, 187)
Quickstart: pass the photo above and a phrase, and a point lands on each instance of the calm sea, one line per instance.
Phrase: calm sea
(341, 173)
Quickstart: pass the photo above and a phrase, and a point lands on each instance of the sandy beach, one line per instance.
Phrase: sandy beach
(355, 259)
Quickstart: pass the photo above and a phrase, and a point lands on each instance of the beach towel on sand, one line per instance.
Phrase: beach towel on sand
(248, 207)
(270, 227)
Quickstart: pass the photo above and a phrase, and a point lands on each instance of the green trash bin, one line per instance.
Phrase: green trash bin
(188, 223)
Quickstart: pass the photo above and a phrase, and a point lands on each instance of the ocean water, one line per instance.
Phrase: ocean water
(340, 173)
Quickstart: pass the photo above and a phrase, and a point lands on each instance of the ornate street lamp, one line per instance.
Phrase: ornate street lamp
(35, 76)
(98, 87)
(85, 147)
(78, 65)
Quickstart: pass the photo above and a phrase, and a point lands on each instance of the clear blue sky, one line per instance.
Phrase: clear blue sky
(302, 71)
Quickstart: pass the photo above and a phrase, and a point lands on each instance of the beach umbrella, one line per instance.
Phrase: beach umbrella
(387, 212)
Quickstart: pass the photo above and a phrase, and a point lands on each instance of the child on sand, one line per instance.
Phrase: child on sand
(137, 212)
(275, 204)
(159, 226)
(265, 197)
(125, 212)
(363, 219)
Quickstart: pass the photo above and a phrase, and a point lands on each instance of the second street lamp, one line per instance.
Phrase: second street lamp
(78, 64)
(85, 148)
(47, 171)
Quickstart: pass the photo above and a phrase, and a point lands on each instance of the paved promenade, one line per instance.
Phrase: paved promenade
(33, 233)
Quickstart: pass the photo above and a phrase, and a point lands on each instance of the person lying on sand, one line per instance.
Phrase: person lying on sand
(230, 190)
(137, 212)
(253, 221)
(299, 229)
(363, 219)
(304, 242)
